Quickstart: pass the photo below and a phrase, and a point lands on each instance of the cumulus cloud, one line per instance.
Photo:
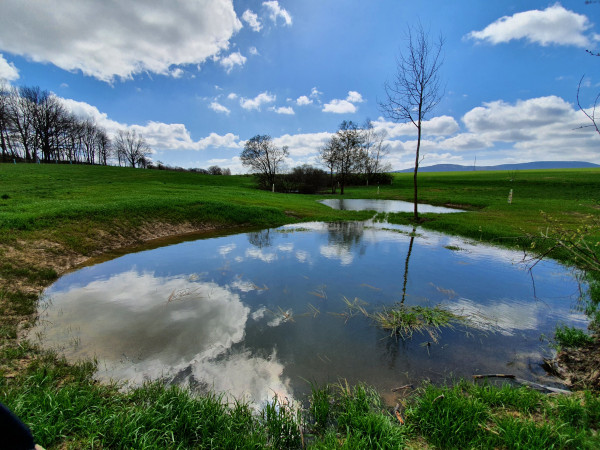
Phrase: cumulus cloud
(276, 11)
(257, 102)
(8, 71)
(339, 107)
(354, 97)
(252, 20)
(303, 100)
(284, 110)
(347, 106)
(217, 107)
(301, 145)
(437, 126)
(232, 96)
(253, 51)
(553, 25)
(107, 40)
(162, 136)
(232, 60)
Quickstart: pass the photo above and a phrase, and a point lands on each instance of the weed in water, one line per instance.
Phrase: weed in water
(404, 320)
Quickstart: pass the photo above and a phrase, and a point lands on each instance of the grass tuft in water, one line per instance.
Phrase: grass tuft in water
(404, 321)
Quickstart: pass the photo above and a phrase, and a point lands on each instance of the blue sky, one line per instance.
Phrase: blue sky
(198, 78)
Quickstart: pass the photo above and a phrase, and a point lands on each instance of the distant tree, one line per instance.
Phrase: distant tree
(344, 151)
(375, 150)
(415, 90)
(226, 171)
(328, 155)
(263, 158)
(131, 147)
(215, 170)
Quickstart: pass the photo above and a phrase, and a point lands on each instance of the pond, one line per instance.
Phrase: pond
(266, 312)
(384, 206)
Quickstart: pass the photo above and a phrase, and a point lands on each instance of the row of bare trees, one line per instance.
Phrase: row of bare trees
(355, 150)
(35, 126)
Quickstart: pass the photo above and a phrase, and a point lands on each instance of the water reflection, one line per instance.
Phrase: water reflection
(257, 313)
(385, 206)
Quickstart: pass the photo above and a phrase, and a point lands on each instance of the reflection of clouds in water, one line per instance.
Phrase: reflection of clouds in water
(257, 253)
(224, 250)
(243, 286)
(504, 317)
(338, 252)
(302, 256)
(154, 317)
(157, 327)
(285, 247)
(259, 313)
(238, 259)
(241, 374)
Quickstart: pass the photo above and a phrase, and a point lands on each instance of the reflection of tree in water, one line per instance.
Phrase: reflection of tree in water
(346, 235)
(410, 247)
(261, 238)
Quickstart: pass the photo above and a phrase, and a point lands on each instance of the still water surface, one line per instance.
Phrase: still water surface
(259, 313)
(385, 206)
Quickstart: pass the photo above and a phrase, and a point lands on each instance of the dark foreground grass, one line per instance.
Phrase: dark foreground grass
(75, 412)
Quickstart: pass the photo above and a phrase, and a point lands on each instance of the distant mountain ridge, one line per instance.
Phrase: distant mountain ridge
(520, 166)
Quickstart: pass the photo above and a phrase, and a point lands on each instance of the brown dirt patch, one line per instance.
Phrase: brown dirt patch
(580, 367)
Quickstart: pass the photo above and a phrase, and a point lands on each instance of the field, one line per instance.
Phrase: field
(53, 217)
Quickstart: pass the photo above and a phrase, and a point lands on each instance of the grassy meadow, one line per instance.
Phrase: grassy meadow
(53, 217)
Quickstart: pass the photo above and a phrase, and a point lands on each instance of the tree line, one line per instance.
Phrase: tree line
(353, 155)
(35, 126)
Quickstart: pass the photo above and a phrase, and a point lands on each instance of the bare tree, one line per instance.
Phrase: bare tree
(328, 155)
(131, 147)
(375, 149)
(591, 112)
(415, 90)
(347, 144)
(263, 157)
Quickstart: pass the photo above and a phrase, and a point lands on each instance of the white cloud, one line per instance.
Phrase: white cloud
(232, 60)
(253, 51)
(276, 11)
(303, 100)
(232, 96)
(160, 136)
(176, 72)
(284, 110)
(217, 107)
(339, 107)
(347, 106)
(107, 39)
(257, 102)
(302, 145)
(8, 71)
(553, 25)
(437, 126)
(252, 19)
(354, 97)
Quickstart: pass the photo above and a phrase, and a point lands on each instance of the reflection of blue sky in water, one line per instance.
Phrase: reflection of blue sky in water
(248, 313)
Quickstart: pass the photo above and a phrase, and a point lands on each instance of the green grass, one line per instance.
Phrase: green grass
(571, 337)
(73, 205)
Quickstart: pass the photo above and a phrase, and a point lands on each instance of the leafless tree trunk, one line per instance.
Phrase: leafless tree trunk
(415, 90)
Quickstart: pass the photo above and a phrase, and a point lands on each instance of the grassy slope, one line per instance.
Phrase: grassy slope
(72, 205)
